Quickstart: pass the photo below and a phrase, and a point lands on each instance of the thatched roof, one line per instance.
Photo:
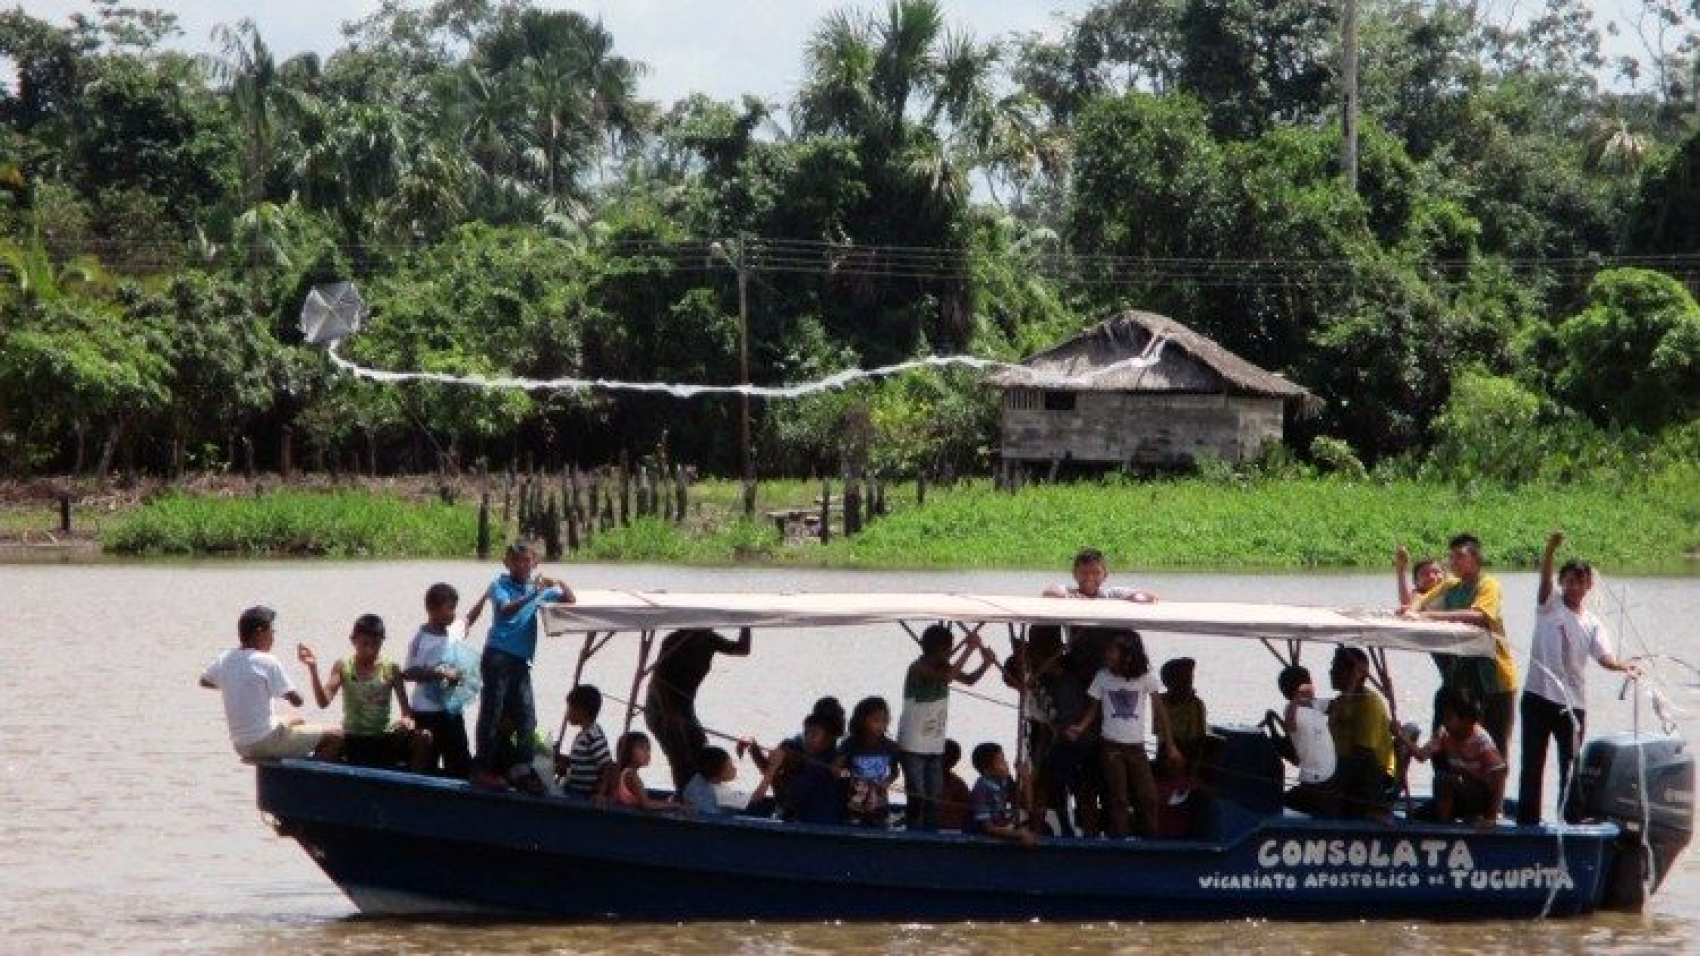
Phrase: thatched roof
(1104, 358)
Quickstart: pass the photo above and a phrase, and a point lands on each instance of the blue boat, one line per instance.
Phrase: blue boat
(398, 843)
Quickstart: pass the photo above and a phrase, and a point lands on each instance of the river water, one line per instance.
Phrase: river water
(126, 824)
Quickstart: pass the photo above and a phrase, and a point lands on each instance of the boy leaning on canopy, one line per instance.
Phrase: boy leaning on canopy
(1470, 596)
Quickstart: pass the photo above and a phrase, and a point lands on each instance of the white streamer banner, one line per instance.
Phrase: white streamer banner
(1151, 356)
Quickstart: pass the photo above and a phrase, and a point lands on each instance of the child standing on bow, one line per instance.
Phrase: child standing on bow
(514, 598)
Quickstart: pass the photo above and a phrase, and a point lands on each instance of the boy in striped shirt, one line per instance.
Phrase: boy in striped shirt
(586, 769)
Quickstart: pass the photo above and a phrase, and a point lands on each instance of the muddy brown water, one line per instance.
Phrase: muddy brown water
(126, 824)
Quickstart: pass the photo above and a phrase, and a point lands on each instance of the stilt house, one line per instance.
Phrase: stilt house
(1143, 390)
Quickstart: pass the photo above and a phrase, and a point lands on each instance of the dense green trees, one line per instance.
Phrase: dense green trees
(489, 175)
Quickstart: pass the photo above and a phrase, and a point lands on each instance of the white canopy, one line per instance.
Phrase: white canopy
(664, 610)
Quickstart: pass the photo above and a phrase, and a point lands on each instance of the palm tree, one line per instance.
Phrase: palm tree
(573, 99)
(909, 90)
(249, 76)
(1616, 148)
(28, 271)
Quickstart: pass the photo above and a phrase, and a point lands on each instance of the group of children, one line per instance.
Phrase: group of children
(430, 734)
(1117, 747)
(1092, 707)
(1350, 753)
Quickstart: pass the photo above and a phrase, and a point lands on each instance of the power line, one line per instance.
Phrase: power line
(853, 261)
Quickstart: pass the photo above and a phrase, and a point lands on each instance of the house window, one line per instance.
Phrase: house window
(1023, 399)
(1059, 401)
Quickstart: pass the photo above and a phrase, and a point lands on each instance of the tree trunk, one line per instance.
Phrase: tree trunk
(107, 449)
(82, 448)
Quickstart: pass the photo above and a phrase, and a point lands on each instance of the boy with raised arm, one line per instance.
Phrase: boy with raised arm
(926, 709)
(514, 598)
(249, 678)
(1555, 693)
(1415, 581)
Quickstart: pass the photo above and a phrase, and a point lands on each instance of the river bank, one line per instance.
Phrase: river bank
(1275, 524)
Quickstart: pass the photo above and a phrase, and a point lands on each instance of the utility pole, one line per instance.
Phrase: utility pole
(1349, 101)
(747, 466)
(740, 263)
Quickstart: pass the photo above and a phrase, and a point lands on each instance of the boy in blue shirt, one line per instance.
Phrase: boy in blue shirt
(505, 666)
(993, 799)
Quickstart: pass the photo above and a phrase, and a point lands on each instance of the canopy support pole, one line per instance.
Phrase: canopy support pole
(646, 641)
(1288, 659)
(1382, 677)
(592, 645)
(1023, 772)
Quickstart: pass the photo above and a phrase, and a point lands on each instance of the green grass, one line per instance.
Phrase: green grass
(1187, 523)
(1304, 523)
(340, 524)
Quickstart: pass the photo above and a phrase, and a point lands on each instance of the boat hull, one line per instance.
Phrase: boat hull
(397, 843)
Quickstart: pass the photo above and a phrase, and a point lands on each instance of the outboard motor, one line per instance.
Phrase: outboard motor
(1657, 825)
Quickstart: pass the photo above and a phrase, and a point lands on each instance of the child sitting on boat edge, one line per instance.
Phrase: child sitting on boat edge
(367, 680)
(248, 677)
(993, 799)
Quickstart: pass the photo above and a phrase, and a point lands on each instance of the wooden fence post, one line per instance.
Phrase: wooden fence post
(552, 530)
(484, 525)
(593, 510)
(522, 512)
(852, 505)
(681, 493)
(825, 510)
(920, 488)
(625, 493)
(64, 514)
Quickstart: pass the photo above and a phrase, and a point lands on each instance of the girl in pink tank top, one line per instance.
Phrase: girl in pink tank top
(631, 756)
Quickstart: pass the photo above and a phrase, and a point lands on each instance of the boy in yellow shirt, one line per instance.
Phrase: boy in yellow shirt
(1468, 596)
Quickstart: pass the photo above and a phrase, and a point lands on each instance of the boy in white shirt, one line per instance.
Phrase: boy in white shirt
(1555, 692)
(1302, 737)
(434, 679)
(249, 677)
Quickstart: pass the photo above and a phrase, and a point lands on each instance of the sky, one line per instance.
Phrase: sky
(724, 48)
